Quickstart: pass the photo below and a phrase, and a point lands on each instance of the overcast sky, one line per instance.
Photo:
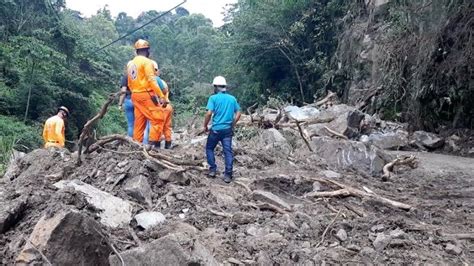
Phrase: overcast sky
(210, 8)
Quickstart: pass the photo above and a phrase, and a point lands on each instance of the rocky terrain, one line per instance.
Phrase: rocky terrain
(312, 186)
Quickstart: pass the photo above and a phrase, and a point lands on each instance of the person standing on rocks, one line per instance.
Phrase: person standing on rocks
(225, 112)
(166, 108)
(53, 131)
(146, 94)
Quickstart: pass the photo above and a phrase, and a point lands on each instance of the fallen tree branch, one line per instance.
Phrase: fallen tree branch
(249, 111)
(325, 99)
(388, 168)
(327, 228)
(345, 191)
(222, 214)
(335, 133)
(88, 126)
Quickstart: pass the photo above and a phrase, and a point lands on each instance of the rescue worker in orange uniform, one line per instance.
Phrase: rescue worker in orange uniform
(53, 131)
(146, 94)
(167, 109)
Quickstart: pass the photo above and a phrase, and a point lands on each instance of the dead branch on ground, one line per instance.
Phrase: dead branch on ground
(326, 99)
(388, 168)
(345, 191)
(335, 133)
(327, 228)
(86, 130)
(221, 214)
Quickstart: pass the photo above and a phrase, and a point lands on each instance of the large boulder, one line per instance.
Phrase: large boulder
(390, 140)
(427, 140)
(343, 154)
(139, 189)
(115, 212)
(301, 113)
(348, 123)
(274, 140)
(268, 197)
(148, 220)
(66, 238)
(173, 249)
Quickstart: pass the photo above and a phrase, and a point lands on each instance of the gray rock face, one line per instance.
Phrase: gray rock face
(273, 139)
(271, 198)
(428, 140)
(343, 154)
(67, 238)
(147, 220)
(174, 249)
(13, 168)
(347, 123)
(301, 113)
(115, 211)
(139, 189)
(391, 140)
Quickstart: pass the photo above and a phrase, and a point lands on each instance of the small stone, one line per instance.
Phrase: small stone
(367, 251)
(243, 218)
(252, 230)
(377, 228)
(185, 210)
(317, 186)
(330, 174)
(182, 215)
(341, 235)
(122, 164)
(381, 241)
(397, 233)
(453, 249)
(353, 247)
(306, 244)
(266, 196)
(139, 189)
(147, 220)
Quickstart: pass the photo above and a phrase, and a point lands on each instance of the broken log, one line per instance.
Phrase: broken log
(328, 97)
(335, 133)
(388, 168)
(345, 191)
(88, 126)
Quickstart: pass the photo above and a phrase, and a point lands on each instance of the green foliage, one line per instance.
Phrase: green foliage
(16, 135)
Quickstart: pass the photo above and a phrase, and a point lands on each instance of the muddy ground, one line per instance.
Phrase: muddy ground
(235, 230)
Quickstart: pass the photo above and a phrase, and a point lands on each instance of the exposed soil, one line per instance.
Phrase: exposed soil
(232, 228)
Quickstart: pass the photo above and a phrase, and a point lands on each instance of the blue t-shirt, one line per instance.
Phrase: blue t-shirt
(223, 106)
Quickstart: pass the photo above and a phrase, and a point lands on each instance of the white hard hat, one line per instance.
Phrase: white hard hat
(219, 81)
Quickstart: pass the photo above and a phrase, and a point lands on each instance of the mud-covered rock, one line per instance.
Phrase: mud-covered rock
(274, 140)
(265, 196)
(381, 241)
(11, 210)
(66, 238)
(139, 189)
(343, 154)
(390, 140)
(173, 249)
(427, 139)
(115, 212)
(453, 249)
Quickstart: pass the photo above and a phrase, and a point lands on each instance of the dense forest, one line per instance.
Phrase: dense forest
(406, 60)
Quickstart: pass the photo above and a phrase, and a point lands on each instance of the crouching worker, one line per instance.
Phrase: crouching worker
(225, 112)
(53, 131)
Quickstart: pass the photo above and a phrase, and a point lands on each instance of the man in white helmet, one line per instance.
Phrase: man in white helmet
(225, 112)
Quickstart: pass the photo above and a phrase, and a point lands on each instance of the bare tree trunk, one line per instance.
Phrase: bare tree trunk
(296, 72)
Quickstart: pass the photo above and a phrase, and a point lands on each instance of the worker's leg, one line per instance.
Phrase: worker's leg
(139, 103)
(129, 113)
(212, 140)
(150, 112)
(168, 113)
(147, 133)
(228, 153)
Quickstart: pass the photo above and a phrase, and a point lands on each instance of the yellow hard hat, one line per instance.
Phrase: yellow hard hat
(141, 44)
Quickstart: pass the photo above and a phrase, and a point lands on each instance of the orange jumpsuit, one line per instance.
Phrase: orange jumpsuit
(142, 84)
(53, 132)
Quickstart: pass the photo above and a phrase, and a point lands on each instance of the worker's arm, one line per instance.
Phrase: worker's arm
(59, 131)
(236, 118)
(150, 76)
(207, 118)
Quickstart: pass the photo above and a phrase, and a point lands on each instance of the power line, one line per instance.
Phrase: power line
(136, 29)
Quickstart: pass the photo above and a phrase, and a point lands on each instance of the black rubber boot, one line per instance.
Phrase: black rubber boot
(168, 144)
(155, 144)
